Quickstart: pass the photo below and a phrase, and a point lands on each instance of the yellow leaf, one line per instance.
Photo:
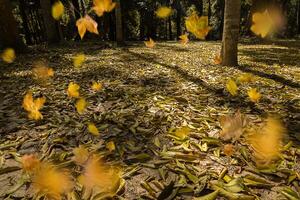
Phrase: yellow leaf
(96, 86)
(86, 23)
(48, 181)
(100, 177)
(81, 155)
(217, 60)
(42, 72)
(245, 78)
(262, 23)
(30, 163)
(73, 90)
(254, 95)
(93, 129)
(78, 60)
(228, 150)
(197, 25)
(184, 39)
(231, 87)
(58, 10)
(8, 55)
(33, 106)
(267, 141)
(232, 126)
(101, 6)
(182, 132)
(110, 146)
(163, 12)
(150, 43)
(80, 105)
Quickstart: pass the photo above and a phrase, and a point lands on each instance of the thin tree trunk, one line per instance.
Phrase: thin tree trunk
(178, 17)
(9, 33)
(231, 32)
(209, 10)
(170, 28)
(119, 27)
(142, 25)
(298, 17)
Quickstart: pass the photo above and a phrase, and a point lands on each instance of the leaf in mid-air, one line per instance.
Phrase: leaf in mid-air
(86, 23)
(33, 106)
(81, 155)
(80, 105)
(245, 78)
(254, 95)
(58, 10)
(101, 6)
(228, 149)
(262, 23)
(217, 60)
(73, 90)
(41, 71)
(197, 25)
(8, 55)
(231, 87)
(150, 43)
(93, 129)
(30, 163)
(97, 86)
(184, 39)
(163, 12)
(78, 60)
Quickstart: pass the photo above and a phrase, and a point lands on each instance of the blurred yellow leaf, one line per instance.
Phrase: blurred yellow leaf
(245, 78)
(81, 155)
(73, 90)
(217, 60)
(254, 95)
(232, 126)
(197, 25)
(267, 141)
(228, 149)
(78, 60)
(184, 39)
(30, 163)
(182, 132)
(80, 105)
(96, 86)
(262, 23)
(33, 106)
(101, 6)
(231, 87)
(58, 10)
(150, 43)
(8, 55)
(93, 129)
(163, 12)
(41, 71)
(86, 23)
(48, 181)
(110, 146)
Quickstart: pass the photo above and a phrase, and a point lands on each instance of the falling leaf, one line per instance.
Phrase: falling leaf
(80, 105)
(163, 12)
(262, 23)
(78, 60)
(254, 95)
(150, 43)
(73, 90)
(8, 55)
(100, 177)
(86, 23)
(110, 146)
(217, 60)
(228, 149)
(197, 25)
(50, 182)
(96, 86)
(267, 141)
(81, 155)
(184, 39)
(232, 126)
(245, 78)
(41, 71)
(101, 6)
(33, 106)
(93, 129)
(30, 163)
(231, 87)
(58, 10)
(182, 132)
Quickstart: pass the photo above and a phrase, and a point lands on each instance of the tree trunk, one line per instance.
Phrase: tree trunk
(142, 25)
(178, 18)
(51, 26)
(119, 27)
(170, 28)
(231, 32)
(209, 10)
(298, 17)
(9, 33)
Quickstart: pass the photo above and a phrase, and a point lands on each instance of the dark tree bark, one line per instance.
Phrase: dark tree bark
(298, 17)
(209, 10)
(142, 25)
(178, 17)
(231, 32)
(9, 33)
(76, 8)
(119, 25)
(170, 28)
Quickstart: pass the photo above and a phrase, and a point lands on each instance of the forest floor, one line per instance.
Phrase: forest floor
(146, 94)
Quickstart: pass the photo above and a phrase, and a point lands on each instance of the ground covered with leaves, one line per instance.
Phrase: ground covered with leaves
(158, 114)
